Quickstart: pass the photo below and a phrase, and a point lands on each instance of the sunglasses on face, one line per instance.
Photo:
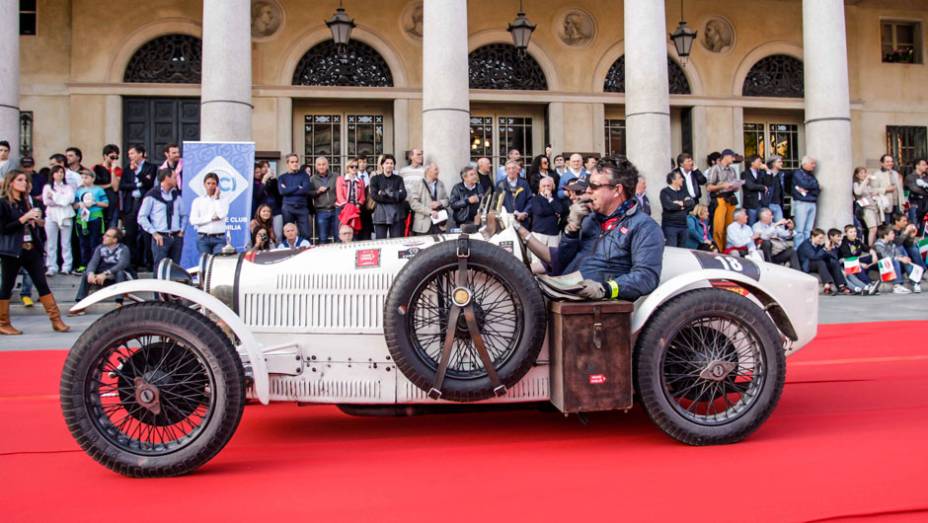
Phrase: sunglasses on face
(596, 186)
(114, 157)
(352, 166)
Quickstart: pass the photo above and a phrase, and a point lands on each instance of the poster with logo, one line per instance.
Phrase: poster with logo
(233, 162)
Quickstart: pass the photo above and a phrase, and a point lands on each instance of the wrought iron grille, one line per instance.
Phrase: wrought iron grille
(25, 133)
(356, 65)
(168, 59)
(501, 66)
(777, 75)
(676, 78)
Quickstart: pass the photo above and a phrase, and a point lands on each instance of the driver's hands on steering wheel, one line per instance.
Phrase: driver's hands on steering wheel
(578, 212)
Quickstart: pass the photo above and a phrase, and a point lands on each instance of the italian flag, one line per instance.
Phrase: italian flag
(923, 248)
(887, 272)
(851, 265)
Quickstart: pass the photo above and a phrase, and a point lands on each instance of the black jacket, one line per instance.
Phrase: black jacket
(777, 184)
(673, 214)
(463, 211)
(147, 176)
(754, 189)
(699, 179)
(545, 215)
(12, 232)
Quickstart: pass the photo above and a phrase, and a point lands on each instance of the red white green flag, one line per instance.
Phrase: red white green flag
(852, 265)
(923, 248)
(887, 272)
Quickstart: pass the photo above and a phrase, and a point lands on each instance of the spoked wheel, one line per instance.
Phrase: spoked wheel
(153, 389)
(710, 367)
(496, 311)
(464, 332)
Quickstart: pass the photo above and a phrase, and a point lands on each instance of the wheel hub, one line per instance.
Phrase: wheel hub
(717, 370)
(148, 396)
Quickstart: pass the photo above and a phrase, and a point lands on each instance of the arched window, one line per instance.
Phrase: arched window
(501, 66)
(777, 75)
(357, 65)
(168, 59)
(676, 78)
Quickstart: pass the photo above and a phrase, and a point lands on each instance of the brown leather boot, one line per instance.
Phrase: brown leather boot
(51, 308)
(6, 328)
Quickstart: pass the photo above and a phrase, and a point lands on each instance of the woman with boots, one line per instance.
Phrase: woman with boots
(21, 227)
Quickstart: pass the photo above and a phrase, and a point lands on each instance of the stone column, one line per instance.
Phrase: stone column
(445, 88)
(828, 110)
(9, 74)
(647, 94)
(225, 111)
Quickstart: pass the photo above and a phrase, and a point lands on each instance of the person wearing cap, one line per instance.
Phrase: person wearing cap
(722, 184)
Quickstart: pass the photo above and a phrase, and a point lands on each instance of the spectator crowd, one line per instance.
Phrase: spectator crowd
(118, 217)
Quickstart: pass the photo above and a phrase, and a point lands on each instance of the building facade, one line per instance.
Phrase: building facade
(842, 80)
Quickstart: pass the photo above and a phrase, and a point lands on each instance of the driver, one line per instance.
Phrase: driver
(617, 249)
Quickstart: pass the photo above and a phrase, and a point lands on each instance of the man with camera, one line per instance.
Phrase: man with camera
(617, 249)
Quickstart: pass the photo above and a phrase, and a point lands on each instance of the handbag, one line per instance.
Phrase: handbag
(778, 245)
(369, 203)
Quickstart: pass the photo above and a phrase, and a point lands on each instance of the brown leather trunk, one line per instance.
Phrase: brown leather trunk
(591, 355)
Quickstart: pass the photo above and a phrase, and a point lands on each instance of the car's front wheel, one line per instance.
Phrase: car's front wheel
(709, 367)
(152, 389)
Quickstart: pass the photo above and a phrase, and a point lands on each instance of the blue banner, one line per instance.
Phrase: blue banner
(234, 163)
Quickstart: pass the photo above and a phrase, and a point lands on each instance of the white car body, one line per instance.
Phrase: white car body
(309, 325)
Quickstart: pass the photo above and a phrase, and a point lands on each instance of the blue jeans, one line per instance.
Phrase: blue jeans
(26, 289)
(90, 238)
(752, 216)
(897, 266)
(804, 219)
(210, 244)
(777, 211)
(299, 216)
(327, 226)
(912, 252)
(172, 248)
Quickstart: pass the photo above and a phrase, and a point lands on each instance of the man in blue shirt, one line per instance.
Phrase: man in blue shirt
(163, 217)
(295, 189)
(805, 191)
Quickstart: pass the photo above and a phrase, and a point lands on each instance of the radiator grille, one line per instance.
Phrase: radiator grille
(320, 302)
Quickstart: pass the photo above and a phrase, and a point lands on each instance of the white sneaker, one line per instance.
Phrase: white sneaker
(899, 289)
(917, 289)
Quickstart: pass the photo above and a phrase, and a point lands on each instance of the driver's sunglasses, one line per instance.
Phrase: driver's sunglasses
(596, 186)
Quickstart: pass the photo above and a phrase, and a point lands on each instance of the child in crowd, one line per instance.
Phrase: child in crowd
(854, 283)
(815, 258)
(90, 200)
(852, 247)
(886, 249)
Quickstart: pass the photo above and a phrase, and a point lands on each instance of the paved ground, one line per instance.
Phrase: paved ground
(832, 309)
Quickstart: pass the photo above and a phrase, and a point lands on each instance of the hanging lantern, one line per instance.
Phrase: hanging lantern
(683, 38)
(521, 29)
(341, 25)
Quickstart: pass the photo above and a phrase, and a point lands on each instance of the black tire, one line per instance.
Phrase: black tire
(696, 383)
(510, 310)
(185, 358)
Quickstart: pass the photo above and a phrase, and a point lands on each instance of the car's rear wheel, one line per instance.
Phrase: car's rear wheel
(153, 389)
(709, 367)
(508, 309)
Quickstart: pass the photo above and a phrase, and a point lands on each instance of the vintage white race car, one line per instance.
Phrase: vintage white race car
(158, 387)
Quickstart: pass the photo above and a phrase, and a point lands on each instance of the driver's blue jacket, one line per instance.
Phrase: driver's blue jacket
(624, 253)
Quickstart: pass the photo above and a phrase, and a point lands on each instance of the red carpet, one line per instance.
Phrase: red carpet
(849, 441)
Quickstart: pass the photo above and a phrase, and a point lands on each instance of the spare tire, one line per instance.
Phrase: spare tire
(509, 309)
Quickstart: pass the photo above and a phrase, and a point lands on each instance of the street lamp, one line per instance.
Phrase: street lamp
(683, 38)
(341, 25)
(521, 29)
